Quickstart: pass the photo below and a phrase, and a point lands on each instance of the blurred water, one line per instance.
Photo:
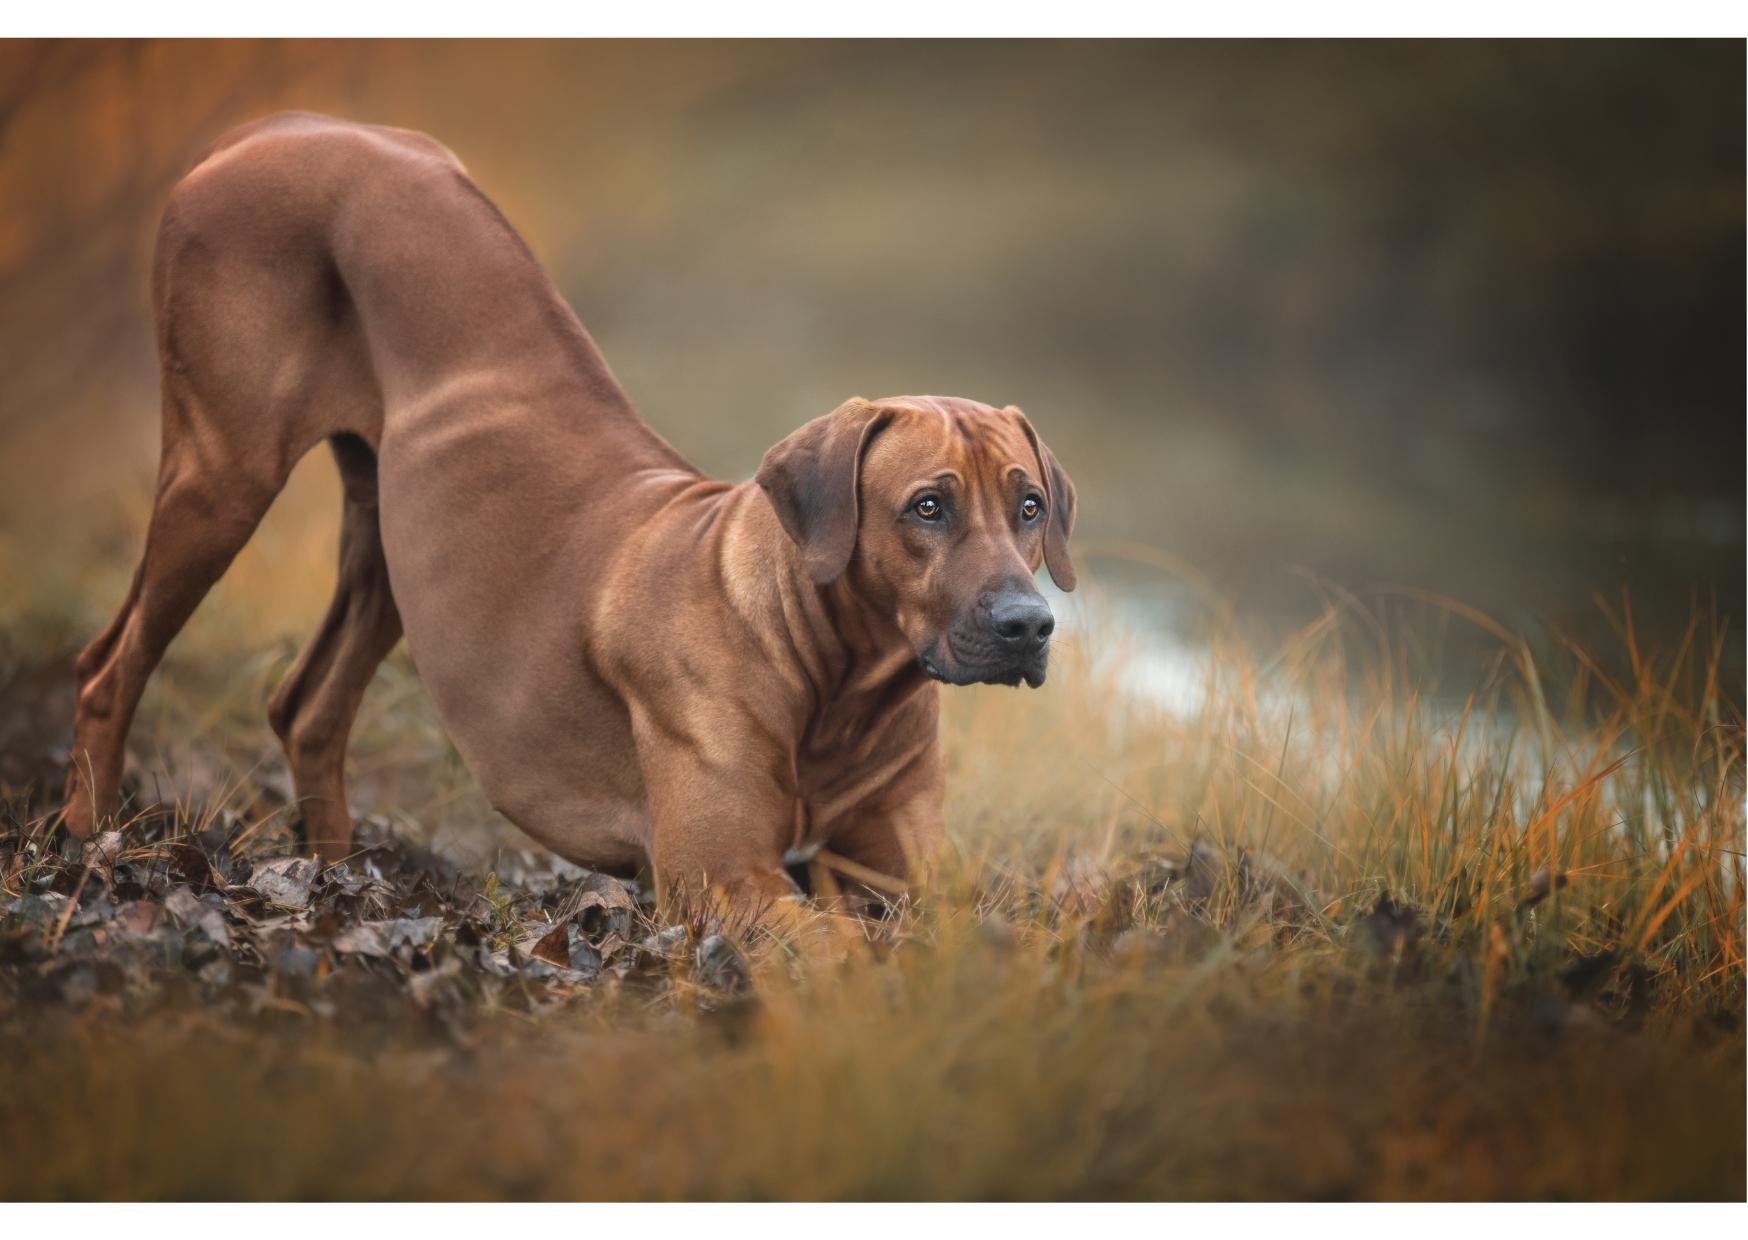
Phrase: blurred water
(1137, 629)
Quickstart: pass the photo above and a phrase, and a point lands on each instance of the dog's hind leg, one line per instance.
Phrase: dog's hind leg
(206, 508)
(313, 708)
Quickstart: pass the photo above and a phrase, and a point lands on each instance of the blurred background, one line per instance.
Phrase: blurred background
(1461, 317)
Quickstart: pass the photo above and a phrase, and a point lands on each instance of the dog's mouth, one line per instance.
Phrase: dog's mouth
(1029, 672)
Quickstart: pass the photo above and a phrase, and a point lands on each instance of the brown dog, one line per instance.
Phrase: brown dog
(640, 665)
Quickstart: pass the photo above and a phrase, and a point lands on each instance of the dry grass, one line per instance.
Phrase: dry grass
(1335, 931)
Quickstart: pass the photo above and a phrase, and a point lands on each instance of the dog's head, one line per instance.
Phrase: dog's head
(938, 511)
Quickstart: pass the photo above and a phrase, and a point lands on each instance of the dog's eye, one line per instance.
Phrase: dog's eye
(1030, 507)
(928, 508)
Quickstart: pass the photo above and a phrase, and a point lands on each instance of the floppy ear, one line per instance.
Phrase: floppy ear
(810, 479)
(1059, 497)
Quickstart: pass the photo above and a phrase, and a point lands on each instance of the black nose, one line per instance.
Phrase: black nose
(1023, 621)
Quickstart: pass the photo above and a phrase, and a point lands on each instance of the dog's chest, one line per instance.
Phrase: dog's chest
(854, 761)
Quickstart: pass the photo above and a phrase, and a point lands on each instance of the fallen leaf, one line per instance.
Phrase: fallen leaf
(183, 905)
(381, 938)
(664, 942)
(103, 851)
(191, 865)
(190, 911)
(602, 908)
(285, 880)
(554, 947)
(718, 964)
(45, 907)
(212, 924)
(138, 917)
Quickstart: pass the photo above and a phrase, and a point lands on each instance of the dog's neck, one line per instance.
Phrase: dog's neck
(860, 665)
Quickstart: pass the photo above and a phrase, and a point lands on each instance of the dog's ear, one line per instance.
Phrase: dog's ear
(1059, 499)
(811, 480)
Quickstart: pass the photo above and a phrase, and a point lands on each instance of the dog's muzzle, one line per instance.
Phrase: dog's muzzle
(1006, 644)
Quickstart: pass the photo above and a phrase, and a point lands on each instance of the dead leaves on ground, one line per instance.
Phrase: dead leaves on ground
(397, 933)
(129, 919)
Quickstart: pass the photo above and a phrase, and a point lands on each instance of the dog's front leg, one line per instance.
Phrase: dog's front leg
(881, 847)
(722, 811)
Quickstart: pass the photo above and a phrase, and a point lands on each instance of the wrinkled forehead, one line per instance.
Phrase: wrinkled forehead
(929, 434)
